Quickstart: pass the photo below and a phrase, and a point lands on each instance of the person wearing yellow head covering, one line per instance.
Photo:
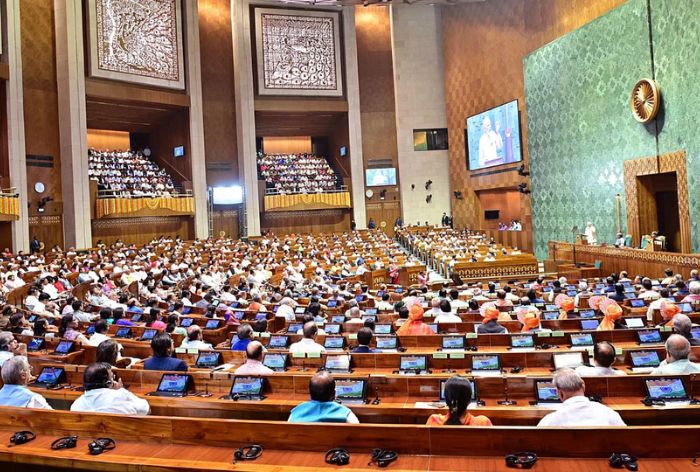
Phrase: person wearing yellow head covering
(613, 312)
(566, 306)
(489, 324)
(414, 325)
(668, 311)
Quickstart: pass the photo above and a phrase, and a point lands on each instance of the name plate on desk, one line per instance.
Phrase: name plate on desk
(439, 355)
(313, 355)
(180, 350)
(666, 328)
(618, 351)
(557, 334)
(352, 336)
(265, 335)
(456, 355)
(471, 336)
(298, 355)
(192, 351)
(543, 334)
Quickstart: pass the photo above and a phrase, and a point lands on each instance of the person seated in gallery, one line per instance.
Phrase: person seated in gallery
(322, 407)
(603, 359)
(415, 325)
(458, 395)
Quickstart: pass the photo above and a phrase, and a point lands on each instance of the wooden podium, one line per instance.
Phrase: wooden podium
(408, 275)
(374, 278)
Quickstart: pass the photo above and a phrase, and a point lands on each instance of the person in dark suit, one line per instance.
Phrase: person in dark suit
(35, 245)
(162, 347)
(364, 338)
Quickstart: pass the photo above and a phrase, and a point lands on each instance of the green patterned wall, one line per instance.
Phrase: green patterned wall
(580, 127)
(676, 38)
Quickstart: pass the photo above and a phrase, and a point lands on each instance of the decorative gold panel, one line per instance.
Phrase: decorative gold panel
(137, 42)
(298, 52)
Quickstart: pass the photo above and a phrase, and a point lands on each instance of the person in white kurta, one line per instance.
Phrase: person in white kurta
(576, 409)
(590, 233)
(104, 394)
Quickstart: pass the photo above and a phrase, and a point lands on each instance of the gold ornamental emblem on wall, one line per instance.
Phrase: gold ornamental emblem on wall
(646, 100)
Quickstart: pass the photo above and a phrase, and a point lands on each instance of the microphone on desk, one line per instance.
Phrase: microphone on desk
(506, 401)
(693, 400)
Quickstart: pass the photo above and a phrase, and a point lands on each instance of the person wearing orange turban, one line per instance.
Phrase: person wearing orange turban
(489, 324)
(414, 325)
(613, 312)
(530, 319)
(566, 306)
(668, 311)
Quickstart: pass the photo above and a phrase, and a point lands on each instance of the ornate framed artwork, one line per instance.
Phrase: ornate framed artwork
(298, 52)
(139, 42)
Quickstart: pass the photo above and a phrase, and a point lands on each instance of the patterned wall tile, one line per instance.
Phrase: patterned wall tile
(676, 35)
(579, 123)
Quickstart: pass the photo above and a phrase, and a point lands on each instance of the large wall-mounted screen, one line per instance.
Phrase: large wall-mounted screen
(493, 137)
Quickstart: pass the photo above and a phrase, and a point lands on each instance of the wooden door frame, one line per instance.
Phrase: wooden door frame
(670, 162)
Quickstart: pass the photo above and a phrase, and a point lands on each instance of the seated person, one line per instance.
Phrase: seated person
(458, 394)
(414, 325)
(108, 351)
(611, 320)
(676, 362)
(446, 315)
(668, 311)
(489, 324)
(321, 407)
(100, 334)
(308, 342)
(16, 374)
(104, 394)
(364, 338)
(529, 316)
(194, 339)
(253, 366)
(245, 336)
(683, 326)
(162, 347)
(576, 409)
(603, 359)
(566, 308)
(9, 347)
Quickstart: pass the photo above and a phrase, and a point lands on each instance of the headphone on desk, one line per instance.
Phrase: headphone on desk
(21, 437)
(247, 453)
(521, 460)
(66, 442)
(383, 457)
(618, 461)
(100, 445)
(337, 456)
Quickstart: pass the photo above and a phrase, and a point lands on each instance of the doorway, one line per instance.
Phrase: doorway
(658, 207)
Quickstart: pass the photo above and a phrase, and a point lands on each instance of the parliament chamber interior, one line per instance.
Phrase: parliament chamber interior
(276, 235)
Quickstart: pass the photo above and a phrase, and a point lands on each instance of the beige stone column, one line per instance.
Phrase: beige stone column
(70, 74)
(352, 85)
(245, 111)
(15, 126)
(198, 161)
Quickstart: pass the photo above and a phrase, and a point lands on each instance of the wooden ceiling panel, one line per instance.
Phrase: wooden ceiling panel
(295, 123)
